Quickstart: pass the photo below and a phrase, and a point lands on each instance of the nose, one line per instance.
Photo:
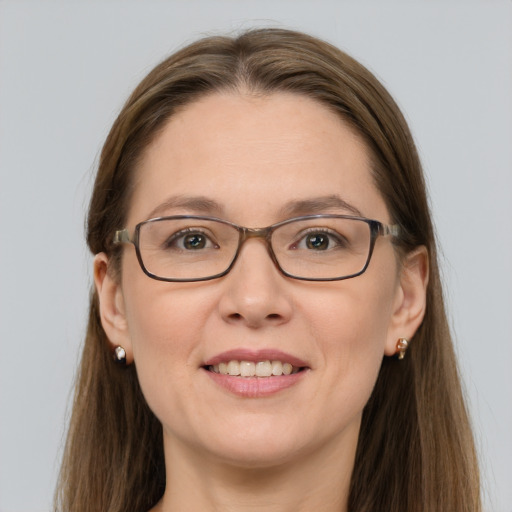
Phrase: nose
(256, 293)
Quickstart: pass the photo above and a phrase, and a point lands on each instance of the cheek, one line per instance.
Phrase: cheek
(353, 319)
(157, 351)
(157, 312)
(163, 326)
(350, 328)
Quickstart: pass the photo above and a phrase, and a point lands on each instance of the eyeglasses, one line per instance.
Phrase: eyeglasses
(186, 248)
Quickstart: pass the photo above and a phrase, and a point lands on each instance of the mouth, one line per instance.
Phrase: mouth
(261, 369)
(255, 373)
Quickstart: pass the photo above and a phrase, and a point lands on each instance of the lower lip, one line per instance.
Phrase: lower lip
(255, 387)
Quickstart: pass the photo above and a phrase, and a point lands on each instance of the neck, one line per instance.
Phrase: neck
(318, 480)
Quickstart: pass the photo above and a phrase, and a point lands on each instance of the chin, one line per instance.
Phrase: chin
(257, 455)
(263, 444)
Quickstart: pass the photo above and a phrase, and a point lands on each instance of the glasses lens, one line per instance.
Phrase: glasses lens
(322, 248)
(187, 248)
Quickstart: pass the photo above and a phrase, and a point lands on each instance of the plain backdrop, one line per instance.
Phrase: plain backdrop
(65, 69)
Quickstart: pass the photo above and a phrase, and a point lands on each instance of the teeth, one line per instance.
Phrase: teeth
(247, 369)
(233, 368)
(277, 368)
(264, 369)
(251, 369)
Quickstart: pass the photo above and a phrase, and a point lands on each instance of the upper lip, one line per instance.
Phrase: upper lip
(245, 354)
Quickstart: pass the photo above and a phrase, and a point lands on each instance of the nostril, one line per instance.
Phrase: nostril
(254, 300)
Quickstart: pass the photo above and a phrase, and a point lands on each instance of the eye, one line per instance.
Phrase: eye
(195, 241)
(320, 240)
(189, 240)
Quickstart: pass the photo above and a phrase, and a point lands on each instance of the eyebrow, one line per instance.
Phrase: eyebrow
(206, 206)
(195, 204)
(318, 205)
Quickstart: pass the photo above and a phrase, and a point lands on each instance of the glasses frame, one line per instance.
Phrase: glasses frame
(377, 229)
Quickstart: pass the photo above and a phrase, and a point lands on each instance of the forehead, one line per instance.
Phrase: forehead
(252, 155)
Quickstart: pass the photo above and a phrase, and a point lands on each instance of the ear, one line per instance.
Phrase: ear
(410, 299)
(112, 308)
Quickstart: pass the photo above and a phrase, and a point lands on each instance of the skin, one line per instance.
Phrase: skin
(293, 450)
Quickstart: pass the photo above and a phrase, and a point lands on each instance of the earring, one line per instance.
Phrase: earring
(120, 355)
(401, 347)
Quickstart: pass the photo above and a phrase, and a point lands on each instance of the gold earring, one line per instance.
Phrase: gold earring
(120, 355)
(401, 347)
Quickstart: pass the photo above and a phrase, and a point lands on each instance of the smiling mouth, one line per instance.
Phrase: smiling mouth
(254, 369)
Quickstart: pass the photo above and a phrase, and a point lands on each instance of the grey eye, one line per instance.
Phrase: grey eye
(317, 241)
(194, 241)
(189, 240)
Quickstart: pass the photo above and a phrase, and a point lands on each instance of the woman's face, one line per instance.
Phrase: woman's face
(256, 161)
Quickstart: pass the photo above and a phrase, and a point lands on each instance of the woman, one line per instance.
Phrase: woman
(303, 365)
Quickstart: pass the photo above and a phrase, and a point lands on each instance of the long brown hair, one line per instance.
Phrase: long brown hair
(416, 450)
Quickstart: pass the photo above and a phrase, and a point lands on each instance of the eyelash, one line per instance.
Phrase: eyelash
(175, 238)
(339, 240)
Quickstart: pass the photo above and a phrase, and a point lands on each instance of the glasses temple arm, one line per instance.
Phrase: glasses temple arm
(121, 236)
(393, 230)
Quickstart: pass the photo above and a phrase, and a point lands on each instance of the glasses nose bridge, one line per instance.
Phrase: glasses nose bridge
(246, 233)
(263, 233)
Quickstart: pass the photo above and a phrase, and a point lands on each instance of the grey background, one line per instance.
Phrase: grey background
(65, 69)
